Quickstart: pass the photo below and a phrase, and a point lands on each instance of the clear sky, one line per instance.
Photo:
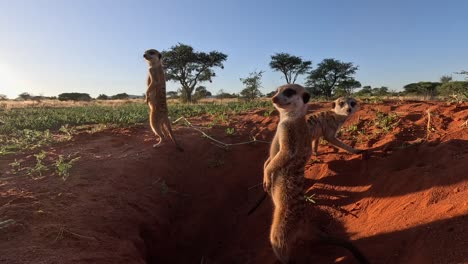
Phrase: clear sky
(95, 46)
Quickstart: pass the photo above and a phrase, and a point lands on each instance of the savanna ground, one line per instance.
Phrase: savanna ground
(83, 185)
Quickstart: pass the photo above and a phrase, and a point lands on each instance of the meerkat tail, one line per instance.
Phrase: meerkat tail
(168, 127)
(156, 129)
(347, 245)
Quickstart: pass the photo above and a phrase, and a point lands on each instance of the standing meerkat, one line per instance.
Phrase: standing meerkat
(327, 124)
(284, 179)
(156, 98)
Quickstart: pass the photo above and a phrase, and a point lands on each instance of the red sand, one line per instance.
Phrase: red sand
(406, 201)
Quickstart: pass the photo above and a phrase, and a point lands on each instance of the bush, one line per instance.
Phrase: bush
(74, 97)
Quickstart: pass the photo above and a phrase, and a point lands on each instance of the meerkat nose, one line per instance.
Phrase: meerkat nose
(349, 110)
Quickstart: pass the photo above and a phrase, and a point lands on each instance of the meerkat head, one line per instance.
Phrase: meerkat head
(291, 98)
(152, 56)
(345, 106)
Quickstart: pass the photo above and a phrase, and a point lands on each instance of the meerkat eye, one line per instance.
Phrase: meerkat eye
(289, 92)
(353, 104)
(341, 104)
(151, 53)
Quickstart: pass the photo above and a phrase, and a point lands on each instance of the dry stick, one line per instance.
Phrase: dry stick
(254, 186)
(220, 144)
(428, 121)
(465, 124)
(258, 203)
(63, 229)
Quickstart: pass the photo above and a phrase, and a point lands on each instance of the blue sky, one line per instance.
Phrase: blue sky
(48, 47)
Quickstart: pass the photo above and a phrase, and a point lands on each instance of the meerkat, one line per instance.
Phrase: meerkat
(284, 178)
(327, 124)
(156, 98)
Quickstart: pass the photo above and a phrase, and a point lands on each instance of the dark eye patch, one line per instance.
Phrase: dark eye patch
(341, 104)
(151, 52)
(289, 92)
(353, 104)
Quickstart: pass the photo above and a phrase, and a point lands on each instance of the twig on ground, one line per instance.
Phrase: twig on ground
(255, 186)
(217, 142)
(428, 128)
(63, 229)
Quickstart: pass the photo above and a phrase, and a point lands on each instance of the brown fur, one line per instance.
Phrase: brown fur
(156, 98)
(326, 124)
(284, 178)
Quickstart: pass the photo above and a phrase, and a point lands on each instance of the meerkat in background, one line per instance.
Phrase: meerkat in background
(284, 178)
(156, 98)
(327, 124)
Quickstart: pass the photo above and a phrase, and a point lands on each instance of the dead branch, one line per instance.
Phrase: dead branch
(217, 142)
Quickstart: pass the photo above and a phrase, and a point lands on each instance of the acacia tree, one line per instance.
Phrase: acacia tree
(190, 68)
(329, 74)
(463, 73)
(291, 66)
(446, 78)
(252, 83)
(428, 89)
(346, 87)
(201, 92)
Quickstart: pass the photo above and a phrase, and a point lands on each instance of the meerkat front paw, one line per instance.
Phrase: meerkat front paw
(266, 184)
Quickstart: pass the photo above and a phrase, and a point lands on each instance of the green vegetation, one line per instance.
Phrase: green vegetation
(33, 127)
(386, 121)
(63, 165)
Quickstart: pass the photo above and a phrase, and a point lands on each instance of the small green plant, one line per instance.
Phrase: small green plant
(268, 112)
(63, 166)
(352, 128)
(68, 131)
(385, 121)
(39, 168)
(230, 131)
(15, 166)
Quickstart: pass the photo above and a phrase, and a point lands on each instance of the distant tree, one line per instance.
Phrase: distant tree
(445, 78)
(270, 94)
(221, 94)
(346, 87)
(382, 91)
(365, 91)
(25, 96)
(201, 92)
(102, 97)
(457, 89)
(252, 83)
(3, 97)
(291, 66)
(428, 89)
(120, 96)
(328, 75)
(74, 97)
(191, 68)
(463, 73)
(172, 94)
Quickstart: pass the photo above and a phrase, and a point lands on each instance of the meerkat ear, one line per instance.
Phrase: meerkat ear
(306, 98)
(333, 105)
(159, 55)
